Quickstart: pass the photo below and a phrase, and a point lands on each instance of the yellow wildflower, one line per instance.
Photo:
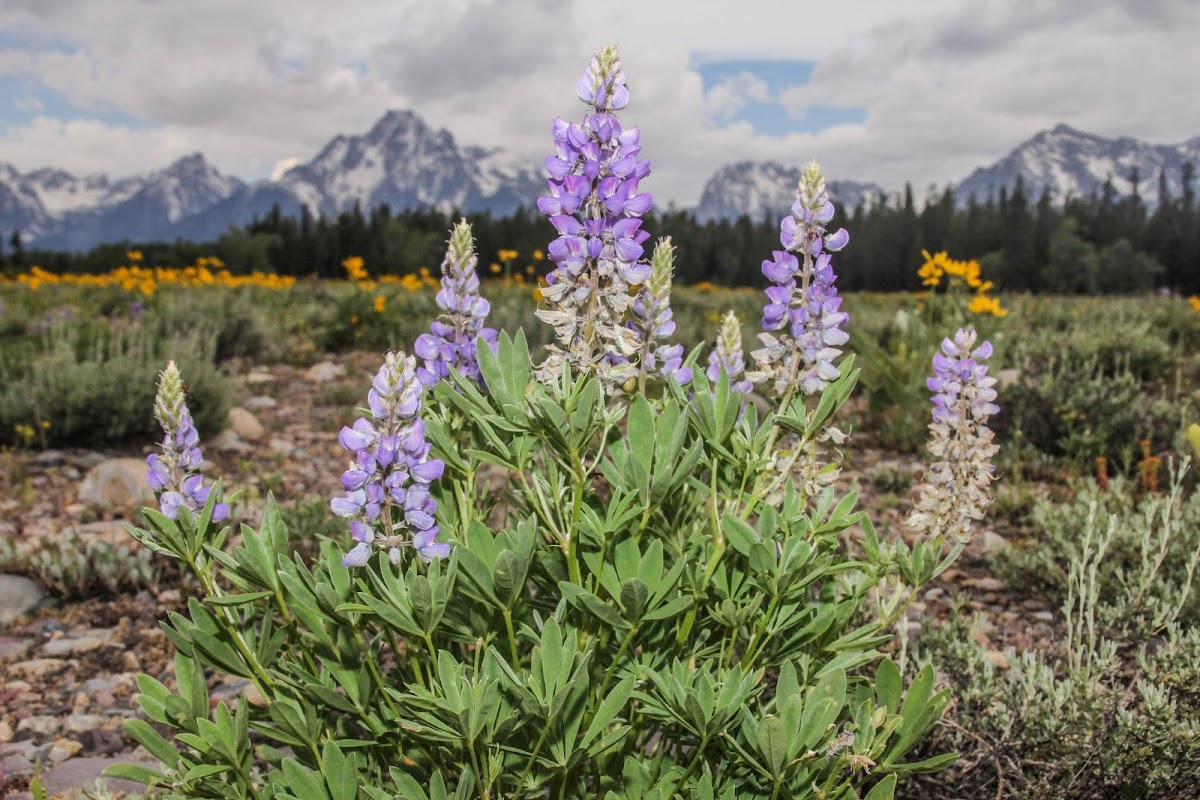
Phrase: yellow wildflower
(380, 303)
(538, 255)
(982, 304)
(134, 255)
(1195, 301)
(1193, 434)
(355, 269)
(495, 268)
(508, 255)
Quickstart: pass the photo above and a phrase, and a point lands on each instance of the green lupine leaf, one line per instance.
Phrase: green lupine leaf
(773, 741)
(739, 533)
(884, 790)
(240, 599)
(888, 685)
(303, 782)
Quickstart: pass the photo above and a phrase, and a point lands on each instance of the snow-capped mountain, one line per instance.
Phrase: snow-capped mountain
(400, 161)
(404, 162)
(766, 189)
(1072, 163)
(53, 208)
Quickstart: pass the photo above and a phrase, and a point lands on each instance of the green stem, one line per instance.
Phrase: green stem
(265, 684)
(572, 532)
(536, 749)
(699, 753)
(362, 643)
(759, 632)
(484, 794)
(542, 506)
(612, 669)
(512, 638)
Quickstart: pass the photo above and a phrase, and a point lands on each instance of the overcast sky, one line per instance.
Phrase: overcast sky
(880, 90)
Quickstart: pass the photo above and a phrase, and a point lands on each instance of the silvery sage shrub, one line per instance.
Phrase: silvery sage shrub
(572, 576)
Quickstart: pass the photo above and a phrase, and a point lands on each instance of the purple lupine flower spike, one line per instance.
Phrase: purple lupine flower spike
(174, 474)
(802, 321)
(450, 344)
(596, 207)
(653, 320)
(954, 491)
(387, 498)
(726, 356)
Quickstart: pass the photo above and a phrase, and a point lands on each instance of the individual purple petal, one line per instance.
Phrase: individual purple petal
(358, 556)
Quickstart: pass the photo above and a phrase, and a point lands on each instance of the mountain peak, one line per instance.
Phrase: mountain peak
(396, 123)
(767, 188)
(1073, 163)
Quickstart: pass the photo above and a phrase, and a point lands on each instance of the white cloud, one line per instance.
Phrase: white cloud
(727, 98)
(947, 85)
(29, 104)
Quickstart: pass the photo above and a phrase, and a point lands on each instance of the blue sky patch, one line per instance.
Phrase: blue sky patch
(24, 97)
(760, 105)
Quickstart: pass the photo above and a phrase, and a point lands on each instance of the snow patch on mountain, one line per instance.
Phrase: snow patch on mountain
(766, 189)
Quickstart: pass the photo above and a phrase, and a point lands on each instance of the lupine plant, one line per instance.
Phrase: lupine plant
(450, 343)
(563, 578)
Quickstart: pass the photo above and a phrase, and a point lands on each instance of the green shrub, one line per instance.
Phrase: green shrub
(85, 383)
(1114, 713)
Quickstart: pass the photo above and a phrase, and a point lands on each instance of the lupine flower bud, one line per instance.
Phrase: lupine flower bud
(387, 499)
(727, 355)
(596, 207)
(803, 304)
(450, 344)
(954, 492)
(653, 318)
(174, 475)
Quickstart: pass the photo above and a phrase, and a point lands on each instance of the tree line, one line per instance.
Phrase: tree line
(1107, 242)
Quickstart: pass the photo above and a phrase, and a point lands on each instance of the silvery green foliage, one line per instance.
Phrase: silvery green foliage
(1115, 711)
(73, 567)
(632, 606)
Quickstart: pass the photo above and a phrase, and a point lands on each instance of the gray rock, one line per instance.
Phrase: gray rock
(988, 584)
(282, 446)
(62, 749)
(15, 766)
(57, 648)
(38, 727)
(245, 425)
(36, 667)
(228, 441)
(50, 458)
(14, 647)
(324, 372)
(258, 377)
(991, 542)
(18, 596)
(68, 778)
(88, 460)
(261, 402)
(117, 483)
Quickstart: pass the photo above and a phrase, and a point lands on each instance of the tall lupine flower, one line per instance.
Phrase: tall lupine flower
(450, 343)
(727, 355)
(387, 499)
(174, 474)
(596, 207)
(803, 305)
(954, 492)
(653, 319)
